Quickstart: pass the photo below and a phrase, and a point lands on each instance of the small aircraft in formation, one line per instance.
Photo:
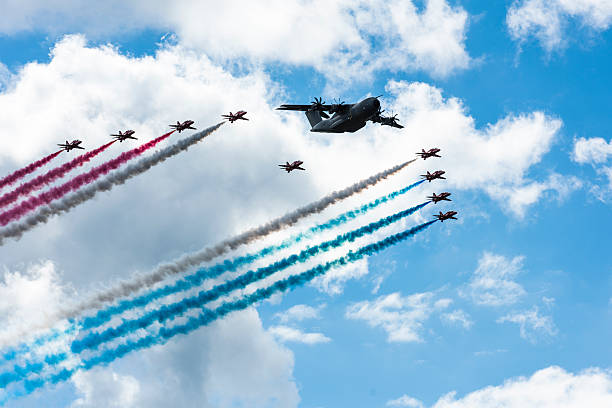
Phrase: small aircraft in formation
(68, 146)
(435, 175)
(345, 117)
(125, 135)
(179, 127)
(288, 167)
(232, 117)
(446, 216)
(429, 153)
(441, 197)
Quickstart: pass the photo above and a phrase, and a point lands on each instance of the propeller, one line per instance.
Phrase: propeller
(336, 107)
(317, 105)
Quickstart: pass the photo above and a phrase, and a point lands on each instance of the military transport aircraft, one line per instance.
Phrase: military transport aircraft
(232, 117)
(435, 175)
(345, 118)
(179, 127)
(446, 216)
(68, 146)
(430, 153)
(437, 198)
(123, 136)
(292, 166)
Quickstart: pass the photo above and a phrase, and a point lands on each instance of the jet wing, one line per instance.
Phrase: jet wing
(303, 108)
(395, 125)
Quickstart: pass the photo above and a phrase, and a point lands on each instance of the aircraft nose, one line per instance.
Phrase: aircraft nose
(376, 103)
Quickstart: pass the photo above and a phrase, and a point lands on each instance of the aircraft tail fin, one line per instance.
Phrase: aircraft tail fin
(314, 117)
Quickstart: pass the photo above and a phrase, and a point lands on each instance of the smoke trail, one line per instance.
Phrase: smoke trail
(170, 311)
(126, 288)
(104, 315)
(107, 183)
(51, 175)
(16, 175)
(208, 316)
(77, 182)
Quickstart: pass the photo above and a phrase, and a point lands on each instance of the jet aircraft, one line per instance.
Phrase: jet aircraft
(123, 136)
(446, 216)
(429, 153)
(292, 166)
(345, 118)
(232, 117)
(179, 127)
(441, 197)
(435, 175)
(68, 146)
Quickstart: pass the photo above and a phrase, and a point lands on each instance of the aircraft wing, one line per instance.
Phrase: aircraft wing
(303, 108)
(394, 124)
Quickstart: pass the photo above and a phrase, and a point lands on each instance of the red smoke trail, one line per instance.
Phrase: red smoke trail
(13, 177)
(77, 182)
(51, 175)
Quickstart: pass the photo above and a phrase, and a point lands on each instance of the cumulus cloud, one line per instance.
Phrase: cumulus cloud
(532, 324)
(298, 313)
(546, 20)
(593, 150)
(400, 317)
(551, 387)
(105, 388)
(291, 334)
(405, 401)
(343, 39)
(458, 318)
(492, 283)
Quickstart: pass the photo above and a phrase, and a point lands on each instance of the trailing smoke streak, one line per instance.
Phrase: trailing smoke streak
(30, 168)
(186, 262)
(86, 193)
(77, 182)
(172, 310)
(208, 316)
(105, 315)
(51, 175)
(169, 311)
(187, 282)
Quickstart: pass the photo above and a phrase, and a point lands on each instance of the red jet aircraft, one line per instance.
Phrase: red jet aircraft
(435, 175)
(232, 117)
(179, 127)
(123, 136)
(437, 198)
(447, 216)
(68, 146)
(430, 153)
(292, 166)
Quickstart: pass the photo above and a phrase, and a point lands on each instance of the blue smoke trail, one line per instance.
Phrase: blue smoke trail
(208, 316)
(165, 312)
(105, 315)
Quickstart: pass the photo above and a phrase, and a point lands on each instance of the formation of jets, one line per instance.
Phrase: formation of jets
(345, 117)
(125, 135)
(232, 117)
(179, 127)
(68, 146)
(292, 166)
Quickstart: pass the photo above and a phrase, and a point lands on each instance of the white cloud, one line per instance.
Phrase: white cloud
(457, 317)
(103, 388)
(291, 334)
(298, 313)
(594, 150)
(546, 19)
(532, 324)
(552, 387)
(401, 317)
(405, 401)
(492, 283)
(341, 39)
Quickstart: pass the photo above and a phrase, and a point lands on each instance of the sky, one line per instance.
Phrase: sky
(509, 306)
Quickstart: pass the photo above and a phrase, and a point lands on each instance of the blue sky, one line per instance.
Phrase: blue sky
(516, 294)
